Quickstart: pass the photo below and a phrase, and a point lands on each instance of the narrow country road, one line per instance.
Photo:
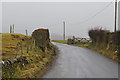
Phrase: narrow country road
(77, 62)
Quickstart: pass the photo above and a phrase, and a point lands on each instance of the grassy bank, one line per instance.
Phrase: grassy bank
(60, 41)
(102, 50)
(15, 45)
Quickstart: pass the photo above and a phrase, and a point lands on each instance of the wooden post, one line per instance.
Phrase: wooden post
(34, 42)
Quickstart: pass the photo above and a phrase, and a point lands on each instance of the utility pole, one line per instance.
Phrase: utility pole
(26, 32)
(115, 15)
(63, 30)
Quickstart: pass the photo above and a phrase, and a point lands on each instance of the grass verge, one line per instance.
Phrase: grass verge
(105, 52)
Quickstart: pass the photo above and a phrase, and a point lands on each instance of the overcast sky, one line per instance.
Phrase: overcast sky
(77, 15)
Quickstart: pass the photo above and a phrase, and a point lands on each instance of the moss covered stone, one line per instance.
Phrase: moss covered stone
(41, 37)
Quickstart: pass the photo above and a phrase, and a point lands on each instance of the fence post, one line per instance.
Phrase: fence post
(34, 42)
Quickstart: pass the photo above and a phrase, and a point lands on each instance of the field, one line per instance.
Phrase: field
(60, 41)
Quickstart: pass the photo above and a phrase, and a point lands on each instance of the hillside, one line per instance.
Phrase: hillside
(10, 44)
(16, 46)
